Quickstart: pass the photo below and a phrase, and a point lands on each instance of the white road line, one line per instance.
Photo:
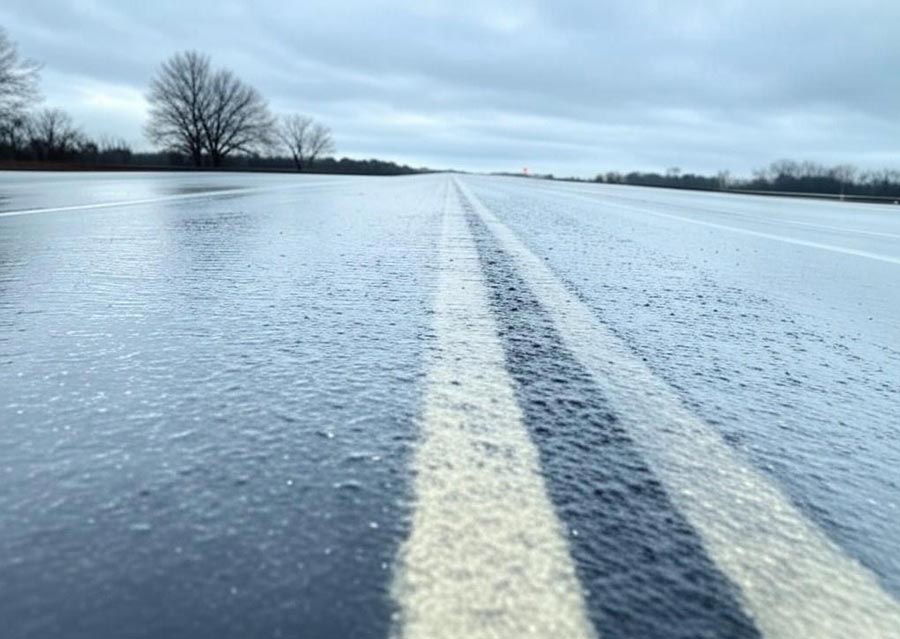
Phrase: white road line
(821, 227)
(736, 229)
(756, 217)
(486, 557)
(164, 198)
(794, 581)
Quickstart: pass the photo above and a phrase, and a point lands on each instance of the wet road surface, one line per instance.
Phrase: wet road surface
(442, 406)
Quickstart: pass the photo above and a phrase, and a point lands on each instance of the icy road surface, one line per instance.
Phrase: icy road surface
(444, 406)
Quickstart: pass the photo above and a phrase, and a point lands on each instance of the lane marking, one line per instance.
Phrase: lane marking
(486, 557)
(166, 198)
(760, 217)
(794, 581)
(603, 201)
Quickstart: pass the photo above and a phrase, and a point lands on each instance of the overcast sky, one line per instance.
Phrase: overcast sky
(555, 86)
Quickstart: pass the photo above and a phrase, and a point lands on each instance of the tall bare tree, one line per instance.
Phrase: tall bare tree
(18, 78)
(305, 139)
(179, 101)
(199, 111)
(236, 118)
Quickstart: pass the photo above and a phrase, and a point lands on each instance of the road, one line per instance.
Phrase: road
(239, 405)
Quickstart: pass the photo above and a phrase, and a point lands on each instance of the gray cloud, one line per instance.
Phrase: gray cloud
(566, 87)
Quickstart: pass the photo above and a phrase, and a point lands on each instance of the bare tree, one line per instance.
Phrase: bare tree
(53, 136)
(809, 168)
(724, 180)
(14, 132)
(305, 139)
(881, 179)
(18, 91)
(196, 110)
(179, 99)
(844, 174)
(236, 118)
(113, 149)
(18, 79)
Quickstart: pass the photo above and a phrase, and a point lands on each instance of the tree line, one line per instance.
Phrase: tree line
(40, 134)
(200, 116)
(783, 176)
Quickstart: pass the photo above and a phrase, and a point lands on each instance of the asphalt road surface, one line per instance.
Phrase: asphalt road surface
(239, 406)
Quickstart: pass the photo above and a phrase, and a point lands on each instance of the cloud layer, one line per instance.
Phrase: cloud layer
(562, 87)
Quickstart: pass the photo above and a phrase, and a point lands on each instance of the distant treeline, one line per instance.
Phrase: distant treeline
(118, 156)
(346, 166)
(200, 117)
(48, 138)
(784, 176)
